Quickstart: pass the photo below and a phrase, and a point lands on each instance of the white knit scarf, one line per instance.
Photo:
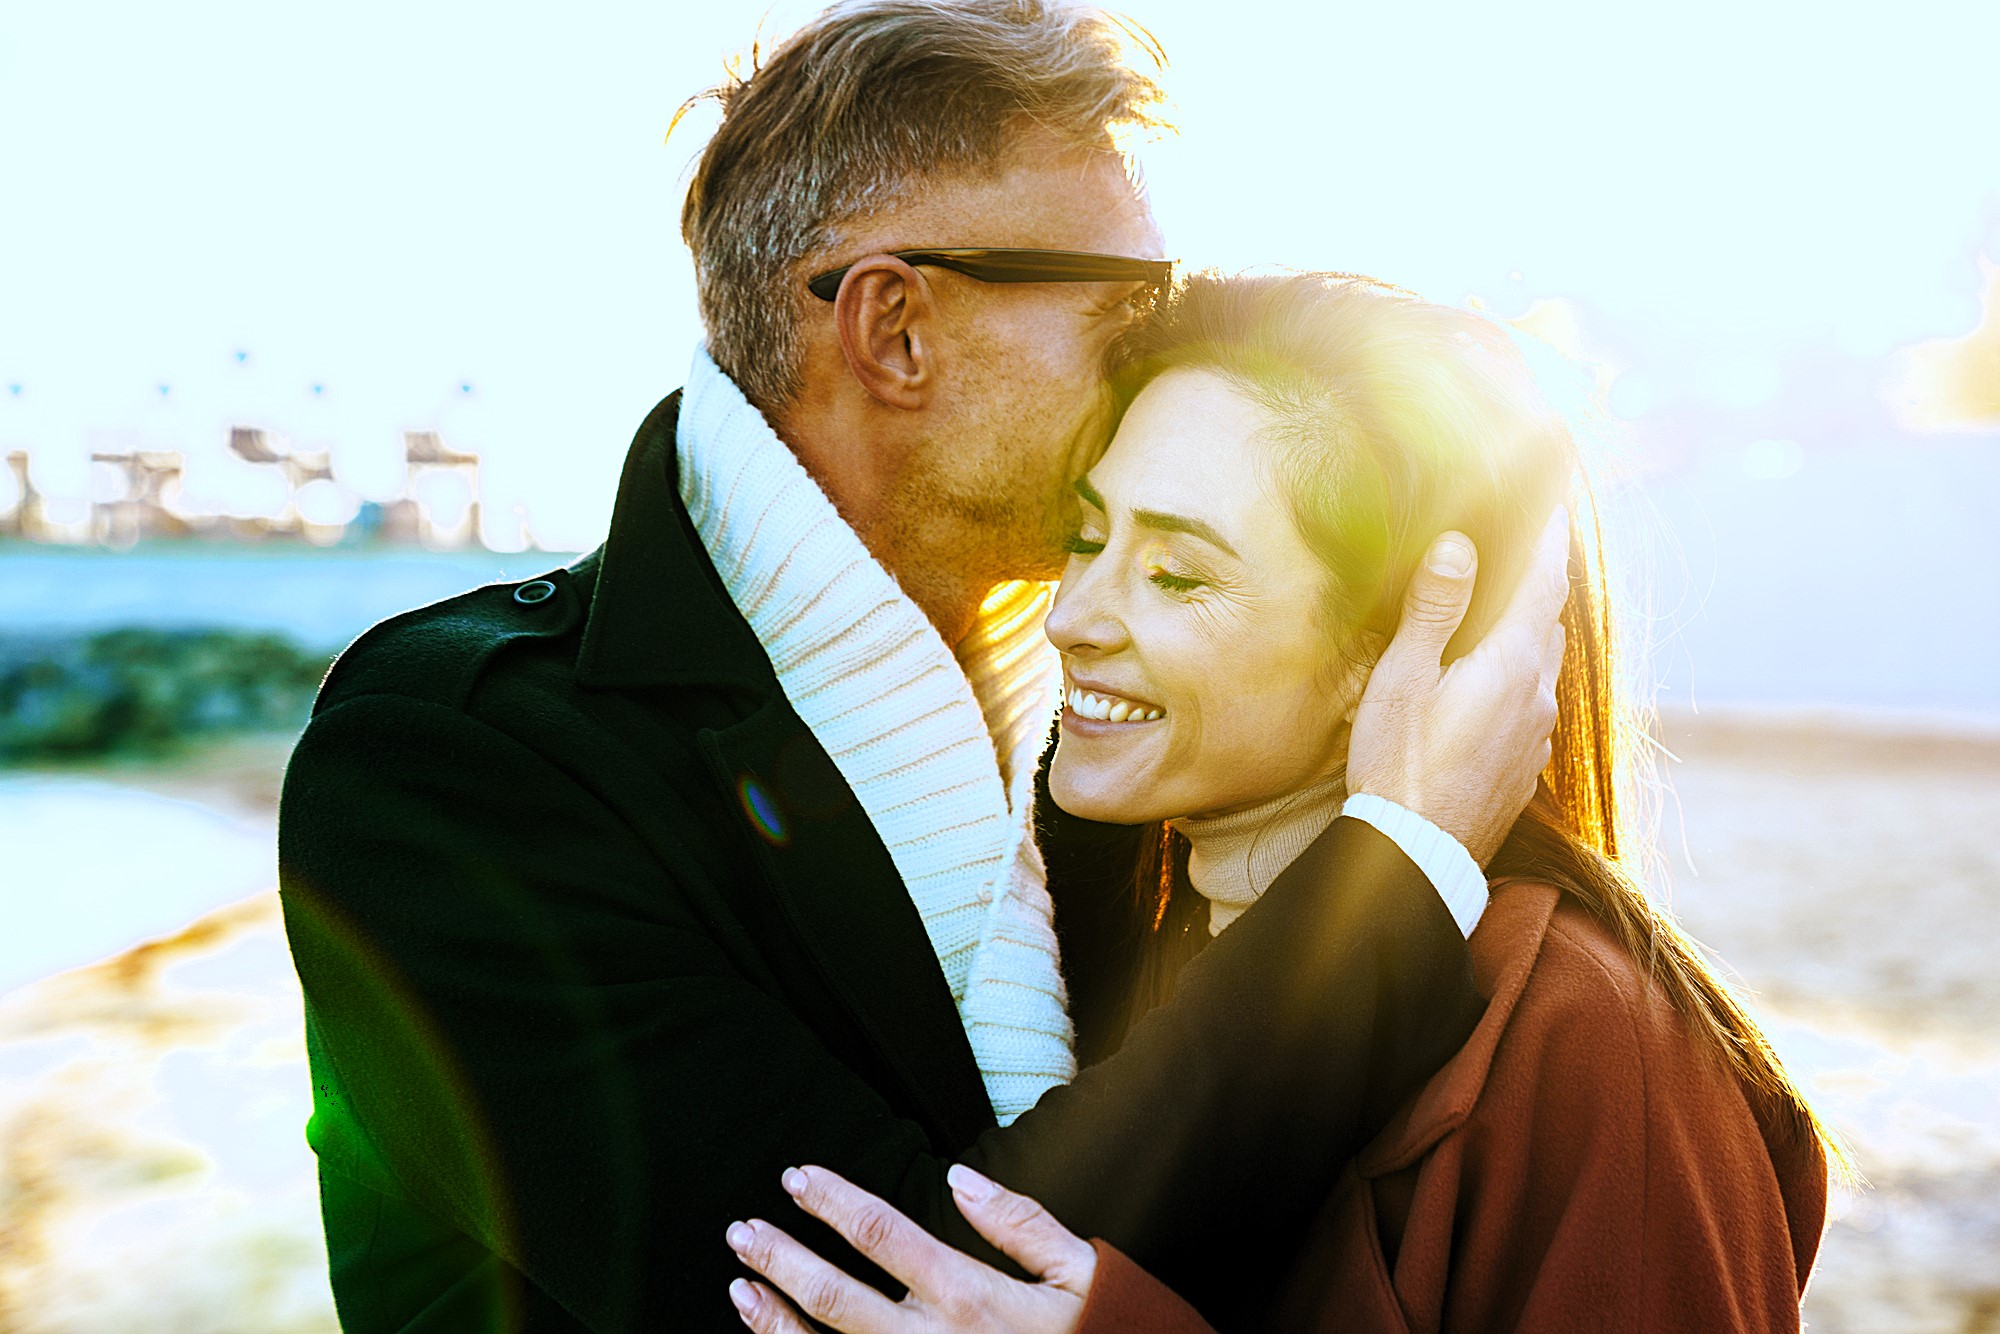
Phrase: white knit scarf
(940, 750)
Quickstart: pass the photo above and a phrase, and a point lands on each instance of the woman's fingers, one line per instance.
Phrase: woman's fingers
(907, 1253)
(764, 1310)
(821, 1291)
(948, 1291)
(1024, 1231)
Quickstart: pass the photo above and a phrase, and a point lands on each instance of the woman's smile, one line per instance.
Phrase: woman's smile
(1093, 703)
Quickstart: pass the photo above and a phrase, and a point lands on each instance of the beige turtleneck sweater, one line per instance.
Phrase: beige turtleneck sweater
(1233, 858)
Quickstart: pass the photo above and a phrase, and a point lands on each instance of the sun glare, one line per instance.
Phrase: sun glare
(1946, 384)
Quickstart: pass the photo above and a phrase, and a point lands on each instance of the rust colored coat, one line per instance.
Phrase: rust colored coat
(1581, 1164)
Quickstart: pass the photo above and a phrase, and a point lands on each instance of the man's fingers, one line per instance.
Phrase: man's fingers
(1544, 753)
(1023, 1230)
(1538, 599)
(1552, 652)
(1433, 605)
(821, 1291)
(873, 1227)
(764, 1310)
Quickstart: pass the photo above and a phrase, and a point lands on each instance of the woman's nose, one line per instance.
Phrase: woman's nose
(1083, 618)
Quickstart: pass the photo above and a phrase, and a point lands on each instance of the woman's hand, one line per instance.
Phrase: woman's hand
(948, 1290)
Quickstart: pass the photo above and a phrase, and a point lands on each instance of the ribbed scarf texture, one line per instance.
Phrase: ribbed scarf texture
(940, 749)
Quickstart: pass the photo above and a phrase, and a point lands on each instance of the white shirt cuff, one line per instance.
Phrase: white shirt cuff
(1442, 858)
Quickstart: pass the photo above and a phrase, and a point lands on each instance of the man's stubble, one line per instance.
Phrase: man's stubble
(1003, 509)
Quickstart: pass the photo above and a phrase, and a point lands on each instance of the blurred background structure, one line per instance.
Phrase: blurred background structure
(307, 318)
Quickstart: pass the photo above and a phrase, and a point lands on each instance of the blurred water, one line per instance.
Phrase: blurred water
(324, 598)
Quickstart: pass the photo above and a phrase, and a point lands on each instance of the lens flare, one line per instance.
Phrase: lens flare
(762, 808)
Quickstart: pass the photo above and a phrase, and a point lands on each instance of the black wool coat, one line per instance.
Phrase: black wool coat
(595, 941)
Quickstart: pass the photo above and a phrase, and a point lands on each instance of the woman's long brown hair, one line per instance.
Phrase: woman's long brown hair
(1393, 420)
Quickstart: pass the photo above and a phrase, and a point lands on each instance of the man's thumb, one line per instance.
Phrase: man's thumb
(1437, 598)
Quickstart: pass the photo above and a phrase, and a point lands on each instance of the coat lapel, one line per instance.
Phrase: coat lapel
(660, 616)
(1504, 949)
(844, 898)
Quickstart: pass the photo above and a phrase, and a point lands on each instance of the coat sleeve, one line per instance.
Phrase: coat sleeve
(514, 1031)
(1125, 1299)
(1613, 1175)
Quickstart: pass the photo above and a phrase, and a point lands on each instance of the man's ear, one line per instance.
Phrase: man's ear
(886, 321)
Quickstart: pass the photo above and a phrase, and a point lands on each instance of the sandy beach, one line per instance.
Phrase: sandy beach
(1848, 875)
(154, 1174)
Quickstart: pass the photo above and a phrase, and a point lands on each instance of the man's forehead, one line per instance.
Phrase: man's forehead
(1059, 199)
(1078, 201)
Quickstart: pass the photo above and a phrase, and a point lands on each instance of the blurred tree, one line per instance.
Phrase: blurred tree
(148, 689)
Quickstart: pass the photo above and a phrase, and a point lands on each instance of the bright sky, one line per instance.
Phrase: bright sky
(463, 215)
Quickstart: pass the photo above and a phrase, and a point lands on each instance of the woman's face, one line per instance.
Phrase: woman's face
(1199, 674)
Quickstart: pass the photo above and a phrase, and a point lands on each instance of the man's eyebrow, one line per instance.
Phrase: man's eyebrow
(1083, 488)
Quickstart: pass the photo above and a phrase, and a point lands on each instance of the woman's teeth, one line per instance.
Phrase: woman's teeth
(1110, 708)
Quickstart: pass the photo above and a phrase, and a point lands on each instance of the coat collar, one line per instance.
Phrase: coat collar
(1504, 948)
(660, 615)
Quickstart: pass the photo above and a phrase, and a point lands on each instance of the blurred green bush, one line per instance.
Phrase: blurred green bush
(142, 689)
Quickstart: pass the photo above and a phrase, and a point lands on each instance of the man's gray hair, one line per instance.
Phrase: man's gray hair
(848, 111)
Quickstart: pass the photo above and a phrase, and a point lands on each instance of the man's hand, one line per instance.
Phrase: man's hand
(1463, 746)
(949, 1292)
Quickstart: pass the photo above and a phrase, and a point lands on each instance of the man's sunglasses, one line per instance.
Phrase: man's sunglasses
(1020, 266)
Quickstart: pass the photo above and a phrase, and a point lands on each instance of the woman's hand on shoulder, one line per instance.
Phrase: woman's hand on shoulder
(949, 1291)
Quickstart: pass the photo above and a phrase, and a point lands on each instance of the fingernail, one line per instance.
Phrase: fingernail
(740, 1236)
(1451, 557)
(794, 1181)
(969, 1183)
(742, 1296)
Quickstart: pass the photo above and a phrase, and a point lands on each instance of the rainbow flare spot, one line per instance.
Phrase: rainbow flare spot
(763, 811)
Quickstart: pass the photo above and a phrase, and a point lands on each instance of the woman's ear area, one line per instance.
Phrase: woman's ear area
(886, 319)
(1354, 664)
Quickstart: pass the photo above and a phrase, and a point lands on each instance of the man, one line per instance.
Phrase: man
(617, 892)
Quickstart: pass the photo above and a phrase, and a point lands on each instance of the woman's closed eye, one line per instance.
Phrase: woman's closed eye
(1083, 542)
(1175, 583)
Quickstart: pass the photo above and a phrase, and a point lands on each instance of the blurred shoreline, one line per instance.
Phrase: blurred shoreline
(1975, 731)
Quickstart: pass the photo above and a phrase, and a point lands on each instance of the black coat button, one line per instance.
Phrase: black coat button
(540, 590)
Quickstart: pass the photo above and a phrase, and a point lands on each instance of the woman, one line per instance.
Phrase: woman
(1616, 1146)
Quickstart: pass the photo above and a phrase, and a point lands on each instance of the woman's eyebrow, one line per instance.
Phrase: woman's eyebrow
(1180, 523)
(1157, 520)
